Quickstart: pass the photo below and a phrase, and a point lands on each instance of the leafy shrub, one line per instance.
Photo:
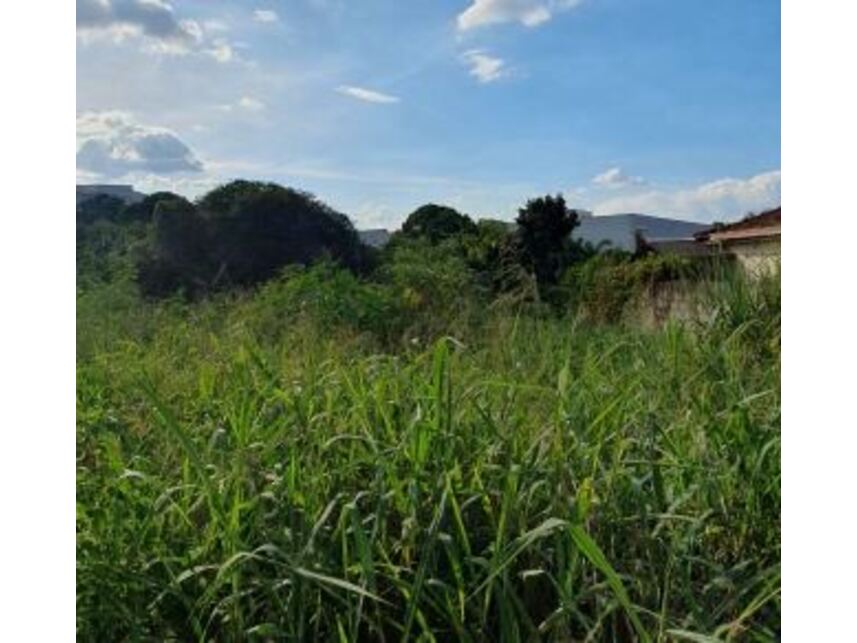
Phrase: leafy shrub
(106, 250)
(327, 296)
(437, 288)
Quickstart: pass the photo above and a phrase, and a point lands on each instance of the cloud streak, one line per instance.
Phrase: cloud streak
(530, 13)
(265, 15)
(366, 95)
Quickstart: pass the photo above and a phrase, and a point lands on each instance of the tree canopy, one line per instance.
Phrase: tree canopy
(144, 210)
(436, 223)
(241, 234)
(244, 233)
(99, 207)
(544, 227)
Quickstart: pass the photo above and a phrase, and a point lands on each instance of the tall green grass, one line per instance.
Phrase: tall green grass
(250, 470)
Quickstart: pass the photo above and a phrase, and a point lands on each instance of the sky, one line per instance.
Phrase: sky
(665, 107)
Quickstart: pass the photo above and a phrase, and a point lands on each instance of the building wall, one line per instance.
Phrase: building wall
(620, 230)
(756, 256)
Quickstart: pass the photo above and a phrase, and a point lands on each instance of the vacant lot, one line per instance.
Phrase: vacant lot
(263, 467)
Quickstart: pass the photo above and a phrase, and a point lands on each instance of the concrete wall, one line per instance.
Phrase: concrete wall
(671, 301)
(757, 256)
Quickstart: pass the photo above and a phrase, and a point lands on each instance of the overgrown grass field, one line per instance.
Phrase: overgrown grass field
(272, 466)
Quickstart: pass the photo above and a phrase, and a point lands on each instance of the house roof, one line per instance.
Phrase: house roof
(764, 224)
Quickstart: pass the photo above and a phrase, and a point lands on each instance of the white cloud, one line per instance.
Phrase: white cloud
(724, 199)
(529, 13)
(484, 67)
(265, 15)
(251, 104)
(221, 51)
(191, 186)
(245, 102)
(114, 144)
(614, 178)
(122, 18)
(367, 95)
(153, 22)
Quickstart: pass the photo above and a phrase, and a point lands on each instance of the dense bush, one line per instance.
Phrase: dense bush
(105, 251)
(101, 207)
(328, 298)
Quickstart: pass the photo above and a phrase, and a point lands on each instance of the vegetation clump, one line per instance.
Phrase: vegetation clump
(422, 448)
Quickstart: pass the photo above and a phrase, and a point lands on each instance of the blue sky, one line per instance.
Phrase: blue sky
(667, 107)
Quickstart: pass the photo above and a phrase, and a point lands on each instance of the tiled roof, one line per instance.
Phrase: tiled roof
(764, 224)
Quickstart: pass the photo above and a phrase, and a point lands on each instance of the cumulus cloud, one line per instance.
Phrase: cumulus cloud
(151, 21)
(721, 200)
(265, 15)
(122, 18)
(114, 144)
(614, 178)
(529, 13)
(484, 67)
(367, 95)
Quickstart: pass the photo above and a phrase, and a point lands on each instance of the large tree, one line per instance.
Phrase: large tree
(544, 227)
(266, 227)
(243, 233)
(222, 200)
(179, 255)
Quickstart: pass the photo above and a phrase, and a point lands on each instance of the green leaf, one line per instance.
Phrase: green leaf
(593, 552)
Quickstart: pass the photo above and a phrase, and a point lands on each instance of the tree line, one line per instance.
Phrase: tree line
(244, 233)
